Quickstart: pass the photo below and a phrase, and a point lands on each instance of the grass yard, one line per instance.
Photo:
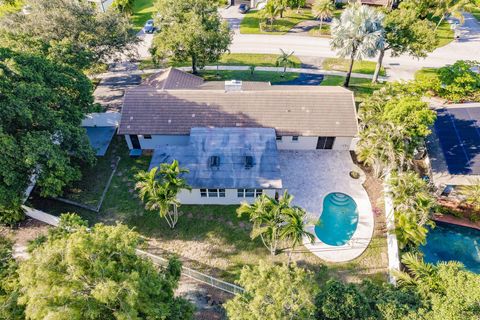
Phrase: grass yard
(231, 59)
(210, 238)
(339, 64)
(142, 11)
(444, 34)
(361, 87)
(251, 22)
(474, 9)
(324, 33)
(426, 74)
(268, 76)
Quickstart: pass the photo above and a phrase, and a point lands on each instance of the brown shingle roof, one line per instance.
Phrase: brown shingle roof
(173, 79)
(290, 110)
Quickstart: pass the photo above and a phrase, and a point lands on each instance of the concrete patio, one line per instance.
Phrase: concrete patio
(309, 176)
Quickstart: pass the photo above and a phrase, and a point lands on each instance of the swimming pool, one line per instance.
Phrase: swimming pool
(339, 219)
(448, 242)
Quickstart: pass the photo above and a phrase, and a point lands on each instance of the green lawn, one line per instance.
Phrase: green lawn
(361, 87)
(325, 32)
(251, 22)
(339, 64)
(474, 9)
(426, 74)
(444, 34)
(142, 11)
(268, 76)
(231, 59)
(210, 238)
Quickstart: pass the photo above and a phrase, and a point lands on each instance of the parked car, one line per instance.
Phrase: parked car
(243, 8)
(149, 27)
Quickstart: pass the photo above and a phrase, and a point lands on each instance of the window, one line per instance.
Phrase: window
(325, 142)
(249, 193)
(295, 138)
(147, 136)
(279, 138)
(212, 193)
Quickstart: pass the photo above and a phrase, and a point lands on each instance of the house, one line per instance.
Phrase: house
(454, 146)
(228, 133)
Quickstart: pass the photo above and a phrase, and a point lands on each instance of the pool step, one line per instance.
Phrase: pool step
(340, 199)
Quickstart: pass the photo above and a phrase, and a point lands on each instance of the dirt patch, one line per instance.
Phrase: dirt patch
(27, 230)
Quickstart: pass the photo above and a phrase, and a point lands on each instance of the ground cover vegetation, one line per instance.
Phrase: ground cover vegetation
(116, 284)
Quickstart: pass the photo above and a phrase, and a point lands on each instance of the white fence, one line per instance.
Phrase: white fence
(196, 275)
(393, 253)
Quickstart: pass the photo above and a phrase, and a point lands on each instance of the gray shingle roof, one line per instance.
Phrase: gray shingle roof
(290, 110)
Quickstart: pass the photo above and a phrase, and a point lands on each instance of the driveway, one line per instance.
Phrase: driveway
(233, 17)
(311, 175)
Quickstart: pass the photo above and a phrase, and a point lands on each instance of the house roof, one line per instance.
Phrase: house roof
(454, 145)
(290, 110)
(231, 146)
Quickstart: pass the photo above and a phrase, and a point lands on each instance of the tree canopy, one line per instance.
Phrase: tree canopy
(68, 31)
(96, 274)
(190, 30)
(42, 104)
(274, 292)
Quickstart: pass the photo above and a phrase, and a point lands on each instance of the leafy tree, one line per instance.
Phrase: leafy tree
(9, 289)
(159, 190)
(284, 60)
(394, 123)
(448, 291)
(297, 4)
(458, 82)
(281, 6)
(96, 274)
(413, 204)
(270, 218)
(190, 30)
(471, 195)
(123, 6)
(405, 32)
(357, 34)
(322, 10)
(339, 301)
(42, 138)
(445, 8)
(68, 31)
(274, 292)
(270, 12)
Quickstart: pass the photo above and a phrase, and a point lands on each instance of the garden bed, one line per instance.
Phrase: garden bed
(252, 20)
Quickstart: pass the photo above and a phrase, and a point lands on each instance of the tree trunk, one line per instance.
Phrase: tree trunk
(352, 60)
(284, 70)
(378, 67)
(321, 25)
(194, 65)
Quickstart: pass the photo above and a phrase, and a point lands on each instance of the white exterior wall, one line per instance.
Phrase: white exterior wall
(129, 142)
(163, 140)
(310, 143)
(193, 197)
(103, 119)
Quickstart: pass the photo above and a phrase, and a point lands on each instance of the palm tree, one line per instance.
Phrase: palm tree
(417, 271)
(357, 34)
(281, 5)
(159, 190)
(471, 195)
(294, 228)
(322, 10)
(284, 60)
(445, 8)
(408, 231)
(270, 12)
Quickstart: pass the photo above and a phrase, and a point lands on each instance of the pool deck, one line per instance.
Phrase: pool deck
(311, 175)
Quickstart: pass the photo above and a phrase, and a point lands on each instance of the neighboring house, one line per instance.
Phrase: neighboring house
(178, 115)
(454, 146)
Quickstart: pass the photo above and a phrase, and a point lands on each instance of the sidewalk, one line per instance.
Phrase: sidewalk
(242, 68)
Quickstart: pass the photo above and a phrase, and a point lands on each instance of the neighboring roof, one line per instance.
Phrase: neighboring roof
(290, 110)
(454, 146)
(231, 145)
(100, 138)
(376, 2)
(173, 79)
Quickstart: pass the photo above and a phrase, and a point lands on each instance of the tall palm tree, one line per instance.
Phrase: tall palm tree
(270, 12)
(322, 10)
(294, 228)
(417, 271)
(284, 60)
(445, 8)
(357, 34)
(472, 195)
(158, 189)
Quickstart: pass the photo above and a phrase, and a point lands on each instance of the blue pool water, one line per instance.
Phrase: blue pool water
(448, 242)
(339, 219)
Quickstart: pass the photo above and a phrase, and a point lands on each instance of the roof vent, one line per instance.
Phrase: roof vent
(233, 85)
(248, 162)
(214, 161)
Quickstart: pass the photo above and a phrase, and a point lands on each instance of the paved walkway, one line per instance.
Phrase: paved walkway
(241, 68)
(309, 176)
